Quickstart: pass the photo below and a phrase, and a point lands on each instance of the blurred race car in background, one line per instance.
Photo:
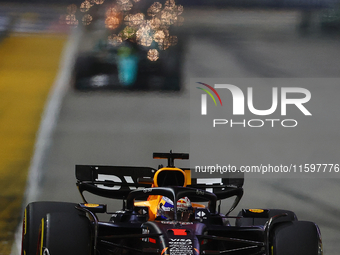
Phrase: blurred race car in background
(135, 45)
(127, 66)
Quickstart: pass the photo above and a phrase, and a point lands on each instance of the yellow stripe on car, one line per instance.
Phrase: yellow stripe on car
(42, 236)
(256, 210)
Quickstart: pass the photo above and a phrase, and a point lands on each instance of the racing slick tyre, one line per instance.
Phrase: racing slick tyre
(33, 214)
(65, 234)
(296, 238)
(256, 219)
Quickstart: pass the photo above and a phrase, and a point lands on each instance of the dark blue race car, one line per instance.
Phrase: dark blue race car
(150, 220)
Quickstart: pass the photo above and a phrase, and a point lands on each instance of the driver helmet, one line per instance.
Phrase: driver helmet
(165, 209)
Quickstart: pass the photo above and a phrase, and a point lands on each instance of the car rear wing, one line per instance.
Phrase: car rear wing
(230, 184)
(111, 181)
(118, 181)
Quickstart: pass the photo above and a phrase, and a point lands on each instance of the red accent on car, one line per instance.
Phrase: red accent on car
(179, 232)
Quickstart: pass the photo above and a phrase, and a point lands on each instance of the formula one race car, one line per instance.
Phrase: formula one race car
(163, 212)
(131, 45)
(127, 67)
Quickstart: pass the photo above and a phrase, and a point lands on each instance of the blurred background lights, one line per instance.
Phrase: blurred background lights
(97, 1)
(112, 22)
(115, 40)
(126, 23)
(153, 55)
(159, 36)
(128, 20)
(125, 5)
(87, 18)
(155, 23)
(170, 3)
(143, 31)
(143, 36)
(168, 17)
(164, 44)
(112, 11)
(154, 9)
(71, 20)
(128, 32)
(179, 9)
(134, 20)
(85, 6)
(179, 21)
(71, 9)
(122, 2)
(144, 41)
(137, 19)
(173, 40)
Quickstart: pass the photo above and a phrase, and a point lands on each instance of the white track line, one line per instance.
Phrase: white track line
(47, 126)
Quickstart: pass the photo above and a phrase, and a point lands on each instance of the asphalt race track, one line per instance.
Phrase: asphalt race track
(126, 128)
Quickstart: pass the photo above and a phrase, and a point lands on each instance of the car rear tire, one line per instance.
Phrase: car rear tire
(66, 234)
(296, 238)
(34, 212)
